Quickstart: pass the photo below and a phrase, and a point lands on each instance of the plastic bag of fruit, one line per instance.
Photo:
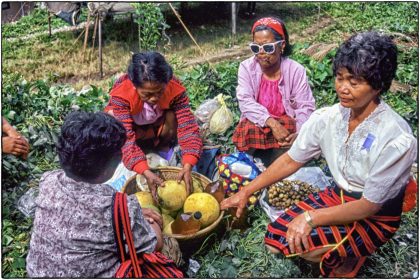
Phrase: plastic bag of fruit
(281, 195)
(221, 119)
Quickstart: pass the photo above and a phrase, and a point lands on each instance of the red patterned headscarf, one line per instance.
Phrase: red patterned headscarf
(270, 22)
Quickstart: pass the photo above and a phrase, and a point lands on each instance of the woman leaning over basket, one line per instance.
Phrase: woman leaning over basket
(154, 109)
(273, 92)
(369, 149)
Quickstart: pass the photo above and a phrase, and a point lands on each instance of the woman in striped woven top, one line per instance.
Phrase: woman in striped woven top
(154, 109)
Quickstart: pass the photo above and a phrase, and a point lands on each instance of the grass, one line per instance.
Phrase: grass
(398, 257)
(243, 255)
(61, 57)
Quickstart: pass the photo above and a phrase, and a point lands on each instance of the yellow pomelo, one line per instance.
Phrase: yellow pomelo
(166, 219)
(168, 229)
(206, 204)
(170, 213)
(172, 195)
(145, 198)
(197, 186)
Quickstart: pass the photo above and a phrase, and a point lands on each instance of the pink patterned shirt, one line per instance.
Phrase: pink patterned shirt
(270, 97)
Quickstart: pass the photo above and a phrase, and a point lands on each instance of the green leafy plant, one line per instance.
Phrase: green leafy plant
(243, 255)
(352, 17)
(204, 82)
(151, 24)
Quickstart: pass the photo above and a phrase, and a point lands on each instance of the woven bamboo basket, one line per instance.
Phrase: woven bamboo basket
(171, 173)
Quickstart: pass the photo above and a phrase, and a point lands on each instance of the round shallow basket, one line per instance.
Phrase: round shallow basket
(171, 173)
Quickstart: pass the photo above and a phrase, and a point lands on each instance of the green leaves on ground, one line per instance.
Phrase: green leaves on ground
(352, 17)
(243, 255)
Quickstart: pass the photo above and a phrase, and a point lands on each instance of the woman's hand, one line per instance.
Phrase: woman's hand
(288, 141)
(15, 146)
(279, 132)
(152, 216)
(185, 174)
(153, 181)
(297, 234)
(238, 200)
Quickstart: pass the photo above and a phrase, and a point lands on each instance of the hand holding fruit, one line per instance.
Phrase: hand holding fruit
(185, 174)
(153, 181)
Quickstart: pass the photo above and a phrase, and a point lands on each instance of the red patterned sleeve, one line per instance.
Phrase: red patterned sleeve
(188, 131)
(133, 157)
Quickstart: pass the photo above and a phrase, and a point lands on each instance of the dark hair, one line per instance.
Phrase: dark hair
(149, 67)
(288, 48)
(88, 142)
(371, 56)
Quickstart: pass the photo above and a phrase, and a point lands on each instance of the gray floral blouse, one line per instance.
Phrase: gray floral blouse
(72, 235)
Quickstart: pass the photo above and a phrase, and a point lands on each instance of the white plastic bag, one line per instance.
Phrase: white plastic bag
(26, 203)
(206, 110)
(311, 175)
(121, 175)
(222, 119)
(155, 160)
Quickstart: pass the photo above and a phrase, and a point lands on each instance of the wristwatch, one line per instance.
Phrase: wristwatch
(309, 219)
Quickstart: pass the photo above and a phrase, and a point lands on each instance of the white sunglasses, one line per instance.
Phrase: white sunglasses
(268, 48)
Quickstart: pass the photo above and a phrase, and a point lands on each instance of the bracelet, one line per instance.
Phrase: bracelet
(309, 219)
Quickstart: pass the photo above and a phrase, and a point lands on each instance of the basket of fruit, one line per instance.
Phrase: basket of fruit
(173, 201)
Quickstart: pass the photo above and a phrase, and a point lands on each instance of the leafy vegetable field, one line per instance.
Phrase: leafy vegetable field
(37, 107)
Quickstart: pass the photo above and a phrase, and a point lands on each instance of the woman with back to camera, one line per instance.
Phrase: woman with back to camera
(273, 92)
(73, 235)
(369, 149)
(155, 111)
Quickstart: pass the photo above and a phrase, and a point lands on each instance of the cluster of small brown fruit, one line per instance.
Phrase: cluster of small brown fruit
(283, 194)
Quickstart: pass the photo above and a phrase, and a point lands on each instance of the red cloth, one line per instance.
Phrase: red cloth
(270, 22)
(410, 195)
(248, 135)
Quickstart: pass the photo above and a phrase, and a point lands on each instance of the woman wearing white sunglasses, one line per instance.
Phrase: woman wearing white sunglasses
(273, 94)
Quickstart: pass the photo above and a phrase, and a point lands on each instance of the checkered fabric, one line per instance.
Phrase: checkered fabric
(248, 135)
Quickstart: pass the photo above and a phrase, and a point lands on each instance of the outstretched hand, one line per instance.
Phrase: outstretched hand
(185, 174)
(238, 200)
(153, 181)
